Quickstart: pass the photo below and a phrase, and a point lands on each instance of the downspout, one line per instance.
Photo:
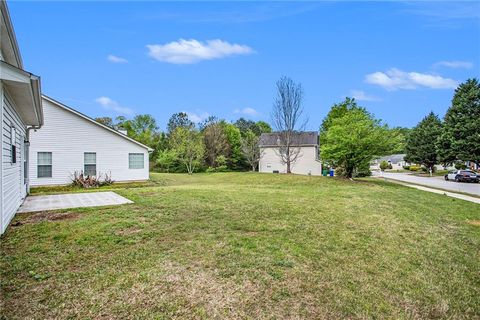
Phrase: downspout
(27, 155)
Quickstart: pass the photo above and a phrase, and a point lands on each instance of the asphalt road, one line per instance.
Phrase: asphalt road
(434, 182)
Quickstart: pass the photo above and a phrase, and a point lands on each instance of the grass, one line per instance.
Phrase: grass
(241, 245)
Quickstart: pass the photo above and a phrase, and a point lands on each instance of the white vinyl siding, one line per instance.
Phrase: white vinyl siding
(307, 162)
(90, 164)
(44, 165)
(136, 161)
(69, 136)
(13, 189)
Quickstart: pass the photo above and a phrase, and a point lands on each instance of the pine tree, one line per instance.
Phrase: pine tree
(460, 138)
(421, 146)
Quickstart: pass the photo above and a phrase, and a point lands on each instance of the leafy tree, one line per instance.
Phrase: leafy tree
(144, 129)
(263, 127)
(179, 119)
(258, 127)
(106, 121)
(402, 135)
(337, 111)
(421, 142)
(166, 159)
(215, 140)
(233, 136)
(287, 117)
(187, 143)
(460, 137)
(384, 165)
(244, 125)
(250, 148)
(352, 140)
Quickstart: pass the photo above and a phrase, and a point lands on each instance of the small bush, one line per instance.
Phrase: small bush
(383, 165)
(406, 167)
(83, 181)
(414, 168)
(460, 166)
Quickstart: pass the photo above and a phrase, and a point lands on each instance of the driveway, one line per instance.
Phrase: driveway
(71, 200)
(434, 182)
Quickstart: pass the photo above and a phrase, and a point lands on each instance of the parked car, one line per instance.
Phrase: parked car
(462, 176)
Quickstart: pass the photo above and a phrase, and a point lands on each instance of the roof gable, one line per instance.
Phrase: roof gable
(85, 117)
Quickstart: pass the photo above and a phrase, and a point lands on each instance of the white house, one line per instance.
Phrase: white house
(21, 110)
(397, 161)
(72, 142)
(307, 162)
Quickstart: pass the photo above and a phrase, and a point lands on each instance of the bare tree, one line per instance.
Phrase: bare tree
(287, 118)
(250, 149)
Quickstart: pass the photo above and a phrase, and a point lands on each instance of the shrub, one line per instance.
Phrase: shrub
(406, 167)
(383, 165)
(460, 165)
(414, 168)
(80, 180)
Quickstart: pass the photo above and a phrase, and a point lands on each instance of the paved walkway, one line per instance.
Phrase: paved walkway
(72, 200)
(449, 194)
(434, 182)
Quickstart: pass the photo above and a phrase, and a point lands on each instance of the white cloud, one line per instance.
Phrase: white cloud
(193, 51)
(247, 111)
(362, 96)
(197, 117)
(454, 64)
(394, 79)
(110, 104)
(116, 59)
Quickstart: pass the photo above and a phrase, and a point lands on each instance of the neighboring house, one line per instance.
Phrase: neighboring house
(21, 110)
(307, 163)
(396, 160)
(71, 142)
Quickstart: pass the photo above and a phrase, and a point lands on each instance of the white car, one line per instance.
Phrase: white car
(462, 175)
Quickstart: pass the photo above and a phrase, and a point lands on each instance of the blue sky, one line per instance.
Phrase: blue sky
(400, 59)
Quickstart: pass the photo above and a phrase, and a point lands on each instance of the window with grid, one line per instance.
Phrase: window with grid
(44, 164)
(90, 164)
(135, 161)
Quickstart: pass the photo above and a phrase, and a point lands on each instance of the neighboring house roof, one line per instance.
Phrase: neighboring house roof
(393, 158)
(307, 138)
(81, 115)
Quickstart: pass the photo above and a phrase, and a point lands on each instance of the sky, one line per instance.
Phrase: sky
(400, 60)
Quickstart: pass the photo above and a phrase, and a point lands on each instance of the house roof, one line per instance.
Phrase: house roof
(24, 89)
(8, 40)
(307, 138)
(393, 158)
(81, 115)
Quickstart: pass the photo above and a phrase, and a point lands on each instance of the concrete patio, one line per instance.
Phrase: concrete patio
(72, 200)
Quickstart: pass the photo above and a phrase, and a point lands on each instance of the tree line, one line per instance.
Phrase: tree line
(212, 145)
(350, 137)
(454, 140)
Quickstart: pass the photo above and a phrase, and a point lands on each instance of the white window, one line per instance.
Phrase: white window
(90, 164)
(136, 161)
(44, 165)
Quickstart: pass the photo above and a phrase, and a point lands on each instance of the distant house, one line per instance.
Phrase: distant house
(21, 110)
(307, 163)
(72, 142)
(397, 161)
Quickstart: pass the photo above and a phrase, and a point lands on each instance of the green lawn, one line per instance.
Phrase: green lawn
(244, 245)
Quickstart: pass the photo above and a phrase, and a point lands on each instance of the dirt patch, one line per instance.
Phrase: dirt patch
(47, 216)
(474, 222)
